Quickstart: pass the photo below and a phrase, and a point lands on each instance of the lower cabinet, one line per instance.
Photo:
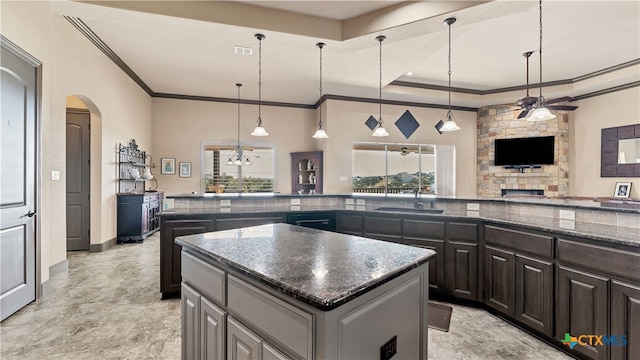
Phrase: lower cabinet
(349, 224)
(243, 344)
(170, 252)
(462, 270)
(499, 280)
(203, 326)
(534, 293)
(625, 320)
(583, 309)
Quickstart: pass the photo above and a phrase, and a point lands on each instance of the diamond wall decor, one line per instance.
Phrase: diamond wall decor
(407, 124)
(371, 122)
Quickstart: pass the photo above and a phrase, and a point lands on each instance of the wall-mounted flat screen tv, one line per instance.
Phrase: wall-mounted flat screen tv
(524, 151)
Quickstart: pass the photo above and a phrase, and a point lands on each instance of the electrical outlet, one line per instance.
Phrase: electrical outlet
(295, 201)
(389, 349)
(567, 214)
(473, 206)
(55, 175)
(225, 202)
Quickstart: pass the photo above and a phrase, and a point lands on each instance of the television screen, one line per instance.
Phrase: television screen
(524, 151)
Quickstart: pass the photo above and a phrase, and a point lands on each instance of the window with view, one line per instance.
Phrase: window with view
(222, 175)
(393, 168)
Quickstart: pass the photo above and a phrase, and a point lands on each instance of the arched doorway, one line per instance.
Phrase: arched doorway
(83, 192)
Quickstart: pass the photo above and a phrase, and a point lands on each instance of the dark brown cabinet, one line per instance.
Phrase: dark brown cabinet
(306, 172)
(430, 235)
(138, 215)
(625, 320)
(234, 223)
(170, 252)
(382, 228)
(518, 276)
(462, 260)
(499, 278)
(349, 224)
(583, 308)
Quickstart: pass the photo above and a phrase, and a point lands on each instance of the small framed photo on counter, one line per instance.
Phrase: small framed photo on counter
(167, 166)
(623, 189)
(185, 169)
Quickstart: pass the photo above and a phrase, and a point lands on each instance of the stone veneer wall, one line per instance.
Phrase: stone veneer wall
(501, 122)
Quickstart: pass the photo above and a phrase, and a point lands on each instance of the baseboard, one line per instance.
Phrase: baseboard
(103, 246)
(54, 269)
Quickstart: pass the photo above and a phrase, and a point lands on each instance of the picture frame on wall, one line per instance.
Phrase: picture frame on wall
(167, 166)
(185, 169)
(623, 189)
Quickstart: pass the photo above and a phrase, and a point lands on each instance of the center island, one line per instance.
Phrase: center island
(283, 291)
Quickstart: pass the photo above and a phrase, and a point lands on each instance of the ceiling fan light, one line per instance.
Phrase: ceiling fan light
(450, 125)
(541, 114)
(320, 134)
(237, 162)
(380, 131)
(229, 162)
(247, 162)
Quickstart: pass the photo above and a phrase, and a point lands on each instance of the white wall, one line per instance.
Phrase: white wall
(120, 111)
(594, 114)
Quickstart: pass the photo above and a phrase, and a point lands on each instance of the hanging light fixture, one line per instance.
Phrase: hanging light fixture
(540, 113)
(448, 124)
(320, 133)
(380, 131)
(260, 130)
(237, 158)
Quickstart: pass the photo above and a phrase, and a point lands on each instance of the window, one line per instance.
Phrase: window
(257, 174)
(393, 168)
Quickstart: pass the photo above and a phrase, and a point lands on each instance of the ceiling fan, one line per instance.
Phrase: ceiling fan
(526, 103)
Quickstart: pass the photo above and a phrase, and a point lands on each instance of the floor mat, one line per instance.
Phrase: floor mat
(439, 316)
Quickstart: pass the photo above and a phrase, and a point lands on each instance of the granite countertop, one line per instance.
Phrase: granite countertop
(321, 268)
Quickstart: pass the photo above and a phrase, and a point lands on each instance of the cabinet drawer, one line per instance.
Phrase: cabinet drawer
(208, 279)
(610, 261)
(532, 243)
(462, 231)
(286, 324)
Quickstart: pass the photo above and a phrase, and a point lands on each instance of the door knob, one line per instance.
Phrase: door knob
(29, 214)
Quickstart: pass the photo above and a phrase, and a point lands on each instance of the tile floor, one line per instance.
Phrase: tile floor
(107, 306)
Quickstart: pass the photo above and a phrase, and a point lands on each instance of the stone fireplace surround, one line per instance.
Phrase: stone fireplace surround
(501, 122)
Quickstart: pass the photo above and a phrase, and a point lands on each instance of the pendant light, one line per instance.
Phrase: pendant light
(259, 130)
(320, 133)
(238, 160)
(540, 113)
(449, 124)
(380, 130)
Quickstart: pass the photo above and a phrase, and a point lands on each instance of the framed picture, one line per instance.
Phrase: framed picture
(623, 189)
(185, 169)
(167, 166)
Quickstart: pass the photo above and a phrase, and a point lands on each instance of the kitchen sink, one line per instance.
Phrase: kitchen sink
(411, 210)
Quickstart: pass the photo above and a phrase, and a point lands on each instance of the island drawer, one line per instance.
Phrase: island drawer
(208, 279)
(287, 325)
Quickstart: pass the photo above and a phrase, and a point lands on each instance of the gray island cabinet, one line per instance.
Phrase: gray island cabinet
(282, 291)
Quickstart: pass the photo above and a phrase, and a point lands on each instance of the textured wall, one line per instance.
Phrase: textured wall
(501, 122)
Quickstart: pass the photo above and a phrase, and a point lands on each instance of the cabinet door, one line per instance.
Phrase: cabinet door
(499, 284)
(190, 322)
(350, 224)
(270, 353)
(582, 309)
(170, 252)
(625, 320)
(437, 280)
(212, 326)
(242, 344)
(462, 269)
(534, 289)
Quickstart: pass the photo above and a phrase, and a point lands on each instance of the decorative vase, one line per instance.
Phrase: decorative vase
(146, 174)
(135, 173)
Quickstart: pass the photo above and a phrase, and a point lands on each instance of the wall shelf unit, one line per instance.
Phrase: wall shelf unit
(306, 172)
